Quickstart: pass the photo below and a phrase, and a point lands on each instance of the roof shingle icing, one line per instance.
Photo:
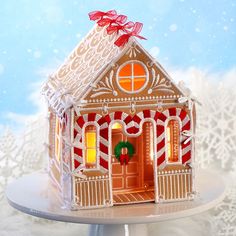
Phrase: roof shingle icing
(69, 83)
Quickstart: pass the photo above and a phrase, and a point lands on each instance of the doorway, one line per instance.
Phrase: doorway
(133, 182)
(125, 177)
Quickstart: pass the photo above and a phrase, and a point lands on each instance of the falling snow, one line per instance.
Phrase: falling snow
(173, 27)
(37, 54)
(154, 51)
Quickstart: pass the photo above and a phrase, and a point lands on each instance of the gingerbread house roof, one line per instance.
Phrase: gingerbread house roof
(67, 86)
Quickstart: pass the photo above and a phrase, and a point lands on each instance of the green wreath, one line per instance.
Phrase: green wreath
(118, 149)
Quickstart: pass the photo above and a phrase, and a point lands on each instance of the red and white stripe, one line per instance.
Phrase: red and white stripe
(103, 142)
(132, 126)
(161, 135)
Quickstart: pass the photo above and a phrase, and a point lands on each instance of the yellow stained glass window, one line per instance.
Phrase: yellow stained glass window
(168, 143)
(132, 77)
(91, 155)
(91, 141)
(173, 141)
(116, 126)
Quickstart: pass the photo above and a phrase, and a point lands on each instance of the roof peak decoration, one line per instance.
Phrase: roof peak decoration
(116, 23)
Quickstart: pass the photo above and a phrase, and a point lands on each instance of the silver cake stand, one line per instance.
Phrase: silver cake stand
(34, 195)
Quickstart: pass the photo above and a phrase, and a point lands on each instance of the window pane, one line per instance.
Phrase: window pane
(126, 83)
(91, 156)
(173, 141)
(168, 133)
(57, 126)
(57, 140)
(139, 69)
(116, 126)
(132, 77)
(91, 139)
(126, 70)
(58, 151)
(138, 83)
(90, 143)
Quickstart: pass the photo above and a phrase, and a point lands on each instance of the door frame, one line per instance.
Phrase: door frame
(154, 123)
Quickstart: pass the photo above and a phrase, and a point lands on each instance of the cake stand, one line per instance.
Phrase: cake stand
(33, 194)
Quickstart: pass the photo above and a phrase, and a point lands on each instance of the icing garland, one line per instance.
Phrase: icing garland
(124, 158)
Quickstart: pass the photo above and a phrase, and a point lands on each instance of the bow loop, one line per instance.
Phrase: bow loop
(115, 28)
(105, 21)
(121, 19)
(128, 25)
(98, 15)
(123, 39)
(111, 29)
(137, 28)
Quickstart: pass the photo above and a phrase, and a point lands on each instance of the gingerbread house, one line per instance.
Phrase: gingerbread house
(120, 129)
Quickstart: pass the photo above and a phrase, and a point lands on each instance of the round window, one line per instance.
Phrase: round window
(132, 77)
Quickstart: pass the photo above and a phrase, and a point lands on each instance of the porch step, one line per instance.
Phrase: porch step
(133, 197)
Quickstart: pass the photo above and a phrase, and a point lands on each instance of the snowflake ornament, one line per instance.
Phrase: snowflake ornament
(216, 125)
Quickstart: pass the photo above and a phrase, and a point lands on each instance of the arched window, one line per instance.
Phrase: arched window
(90, 146)
(173, 140)
(132, 77)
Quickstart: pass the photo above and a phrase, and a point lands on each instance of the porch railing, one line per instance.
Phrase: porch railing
(175, 185)
(92, 191)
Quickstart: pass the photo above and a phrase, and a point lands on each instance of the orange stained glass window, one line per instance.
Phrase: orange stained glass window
(91, 144)
(173, 141)
(132, 77)
(57, 140)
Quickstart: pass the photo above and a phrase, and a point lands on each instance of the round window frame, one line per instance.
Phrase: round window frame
(118, 77)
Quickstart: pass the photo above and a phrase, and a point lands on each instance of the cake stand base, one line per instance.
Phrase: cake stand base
(118, 230)
(34, 194)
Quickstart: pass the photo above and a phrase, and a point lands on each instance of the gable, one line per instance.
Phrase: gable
(92, 72)
(133, 74)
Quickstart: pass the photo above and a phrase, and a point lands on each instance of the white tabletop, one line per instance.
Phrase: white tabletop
(34, 195)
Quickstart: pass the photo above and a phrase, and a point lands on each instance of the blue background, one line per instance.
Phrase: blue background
(36, 36)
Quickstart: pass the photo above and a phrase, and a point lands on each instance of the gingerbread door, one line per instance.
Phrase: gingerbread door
(125, 177)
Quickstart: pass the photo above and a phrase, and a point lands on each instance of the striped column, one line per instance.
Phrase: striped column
(103, 123)
(161, 135)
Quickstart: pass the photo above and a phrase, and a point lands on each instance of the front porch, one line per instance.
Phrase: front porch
(139, 196)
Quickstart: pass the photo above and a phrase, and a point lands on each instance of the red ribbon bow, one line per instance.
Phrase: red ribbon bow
(115, 23)
(97, 15)
(116, 28)
(120, 19)
(124, 159)
(123, 39)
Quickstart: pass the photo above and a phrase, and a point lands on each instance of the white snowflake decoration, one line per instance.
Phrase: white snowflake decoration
(216, 124)
(225, 214)
(22, 155)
